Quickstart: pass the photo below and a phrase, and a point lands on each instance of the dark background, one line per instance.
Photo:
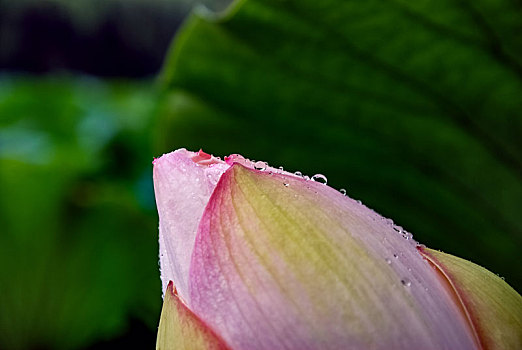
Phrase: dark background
(85, 106)
(111, 39)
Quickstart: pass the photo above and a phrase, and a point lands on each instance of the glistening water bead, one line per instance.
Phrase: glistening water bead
(320, 178)
(260, 165)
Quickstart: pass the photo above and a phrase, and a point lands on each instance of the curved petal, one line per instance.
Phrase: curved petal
(492, 306)
(183, 183)
(282, 262)
(180, 329)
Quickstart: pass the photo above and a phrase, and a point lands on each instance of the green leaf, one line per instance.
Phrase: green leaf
(413, 107)
(78, 249)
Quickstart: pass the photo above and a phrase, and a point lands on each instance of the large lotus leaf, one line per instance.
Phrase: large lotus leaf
(414, 107)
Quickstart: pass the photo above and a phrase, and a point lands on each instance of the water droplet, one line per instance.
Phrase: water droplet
(395, 256)
(406, 282)
(388, 261)
(306, 177)
(397, 228)
(343, 191)
(281, 168)
(286, 184)
(358, 202)
(260, 165)
(320, 178)
(298, 173)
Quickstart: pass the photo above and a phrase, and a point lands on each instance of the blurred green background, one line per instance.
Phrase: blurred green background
(414, 108)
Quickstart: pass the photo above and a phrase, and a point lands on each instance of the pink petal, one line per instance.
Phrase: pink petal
(183, 183)
(284, 263)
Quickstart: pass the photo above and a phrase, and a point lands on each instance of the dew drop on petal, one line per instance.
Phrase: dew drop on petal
(343, 191)
(320, 178)
(286, 184)
(397, 228)
(406, 282)
(260, 165)
(388, 261)
(395, 256)
(298, 173)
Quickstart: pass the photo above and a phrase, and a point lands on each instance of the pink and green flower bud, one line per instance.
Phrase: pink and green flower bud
(266, 259)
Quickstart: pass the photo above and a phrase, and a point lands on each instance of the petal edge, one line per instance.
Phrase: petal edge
(181, 329)
(492, 307)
